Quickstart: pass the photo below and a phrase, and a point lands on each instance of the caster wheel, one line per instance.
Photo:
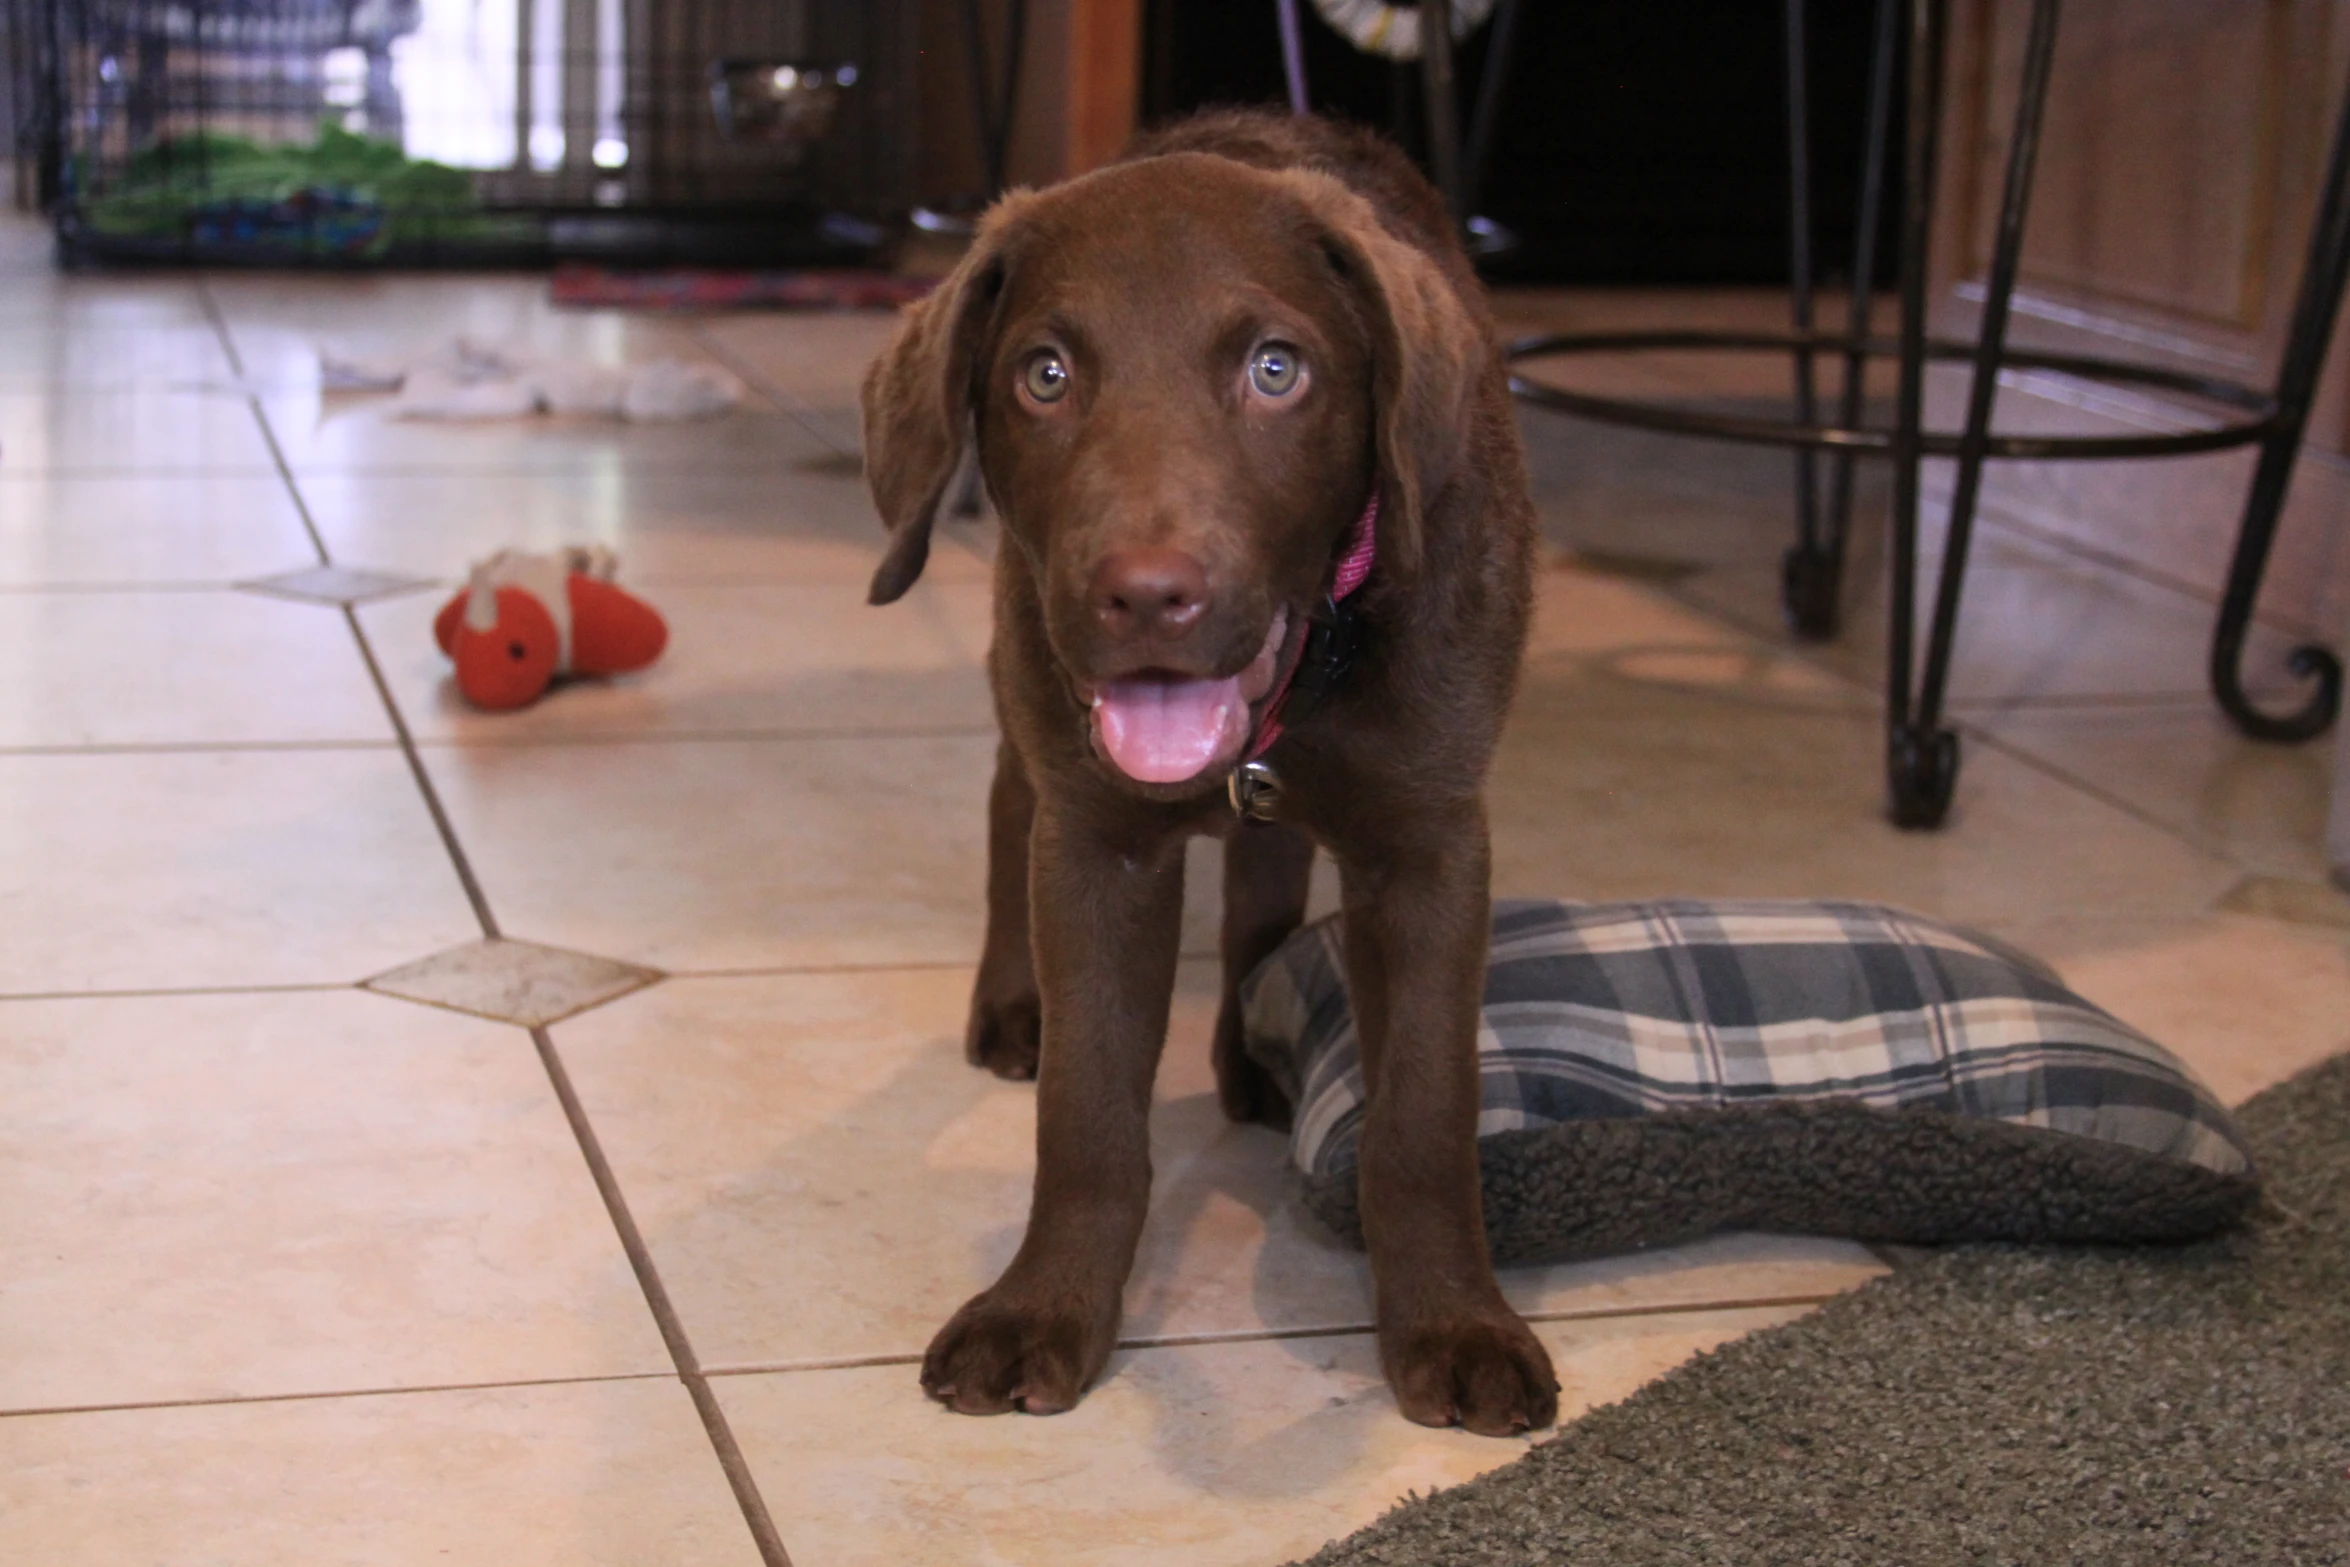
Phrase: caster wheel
(1808, 582)
(1921, 768)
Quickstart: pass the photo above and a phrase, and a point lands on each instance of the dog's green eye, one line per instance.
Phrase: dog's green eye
(1273, 370)
(1046, 377)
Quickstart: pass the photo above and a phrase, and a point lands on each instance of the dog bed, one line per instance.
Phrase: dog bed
(1653, 1072)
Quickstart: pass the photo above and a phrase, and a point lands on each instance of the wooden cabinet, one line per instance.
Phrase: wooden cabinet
(2183, 147)
(1080, 78)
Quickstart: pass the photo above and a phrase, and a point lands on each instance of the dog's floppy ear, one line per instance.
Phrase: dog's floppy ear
(1429, 349)
(918, 402)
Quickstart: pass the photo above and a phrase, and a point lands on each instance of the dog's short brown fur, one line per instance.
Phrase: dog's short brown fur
(1154, 281)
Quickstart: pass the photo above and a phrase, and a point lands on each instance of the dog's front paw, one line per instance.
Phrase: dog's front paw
(1005, 1034)
(1487, 1372)
(999, 1353)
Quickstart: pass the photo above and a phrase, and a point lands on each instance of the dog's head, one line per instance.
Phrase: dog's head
(1187, 377)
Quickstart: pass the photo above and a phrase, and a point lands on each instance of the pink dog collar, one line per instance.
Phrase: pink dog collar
(1323, 658)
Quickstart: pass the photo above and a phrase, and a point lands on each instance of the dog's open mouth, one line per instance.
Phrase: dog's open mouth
(1163, 728)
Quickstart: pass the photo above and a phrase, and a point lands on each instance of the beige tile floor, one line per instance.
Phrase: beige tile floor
(295, 1268)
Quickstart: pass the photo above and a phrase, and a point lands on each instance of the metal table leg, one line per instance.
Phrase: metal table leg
(1444, 120)
(1499, 49)
(1811, 579)
(1923, 761)
(1921, 753)
(1804, 611)
(1922, 769)
(2320, 299)
(1293, 56)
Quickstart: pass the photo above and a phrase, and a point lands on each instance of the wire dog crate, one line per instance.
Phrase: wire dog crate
(467, 132)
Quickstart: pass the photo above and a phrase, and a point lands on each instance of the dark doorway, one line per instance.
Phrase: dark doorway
(1638, 143)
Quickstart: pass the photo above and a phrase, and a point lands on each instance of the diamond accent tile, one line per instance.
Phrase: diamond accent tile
(513, 981)
(338, 585)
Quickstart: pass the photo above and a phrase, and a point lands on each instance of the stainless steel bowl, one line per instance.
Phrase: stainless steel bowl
(788, 101)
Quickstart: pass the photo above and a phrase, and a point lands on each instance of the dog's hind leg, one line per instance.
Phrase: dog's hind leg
(1006, 1018)
(1267, 868)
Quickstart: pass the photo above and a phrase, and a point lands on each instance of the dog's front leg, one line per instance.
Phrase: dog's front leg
(1418, 917)
(1106, 904)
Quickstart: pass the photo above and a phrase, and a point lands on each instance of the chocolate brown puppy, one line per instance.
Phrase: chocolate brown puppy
(1212, 386)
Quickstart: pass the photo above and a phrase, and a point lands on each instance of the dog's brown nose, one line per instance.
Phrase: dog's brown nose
(1149, 592)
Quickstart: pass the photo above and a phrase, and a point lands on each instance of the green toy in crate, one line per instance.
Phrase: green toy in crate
(339, 197)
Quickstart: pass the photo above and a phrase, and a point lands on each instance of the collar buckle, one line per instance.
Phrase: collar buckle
(1255, 791)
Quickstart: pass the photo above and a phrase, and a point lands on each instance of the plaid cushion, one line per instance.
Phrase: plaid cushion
(1619, 1010)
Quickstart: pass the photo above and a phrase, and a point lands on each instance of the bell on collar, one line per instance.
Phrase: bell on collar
(1255, 790)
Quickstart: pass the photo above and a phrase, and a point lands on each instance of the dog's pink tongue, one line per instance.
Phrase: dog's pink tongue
(1164, 731)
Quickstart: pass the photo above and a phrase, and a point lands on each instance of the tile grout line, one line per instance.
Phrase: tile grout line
(2057, 773)
(586, 737)
(2066, 551)
(2123, 565)
(424, 784)
(1562, 1314)
(277, 453)
(1331, 1330)
(807, 416)
(772, 971)
(797, 409)
(1973, 725)
(517, 743)
(1986, 708)
(896, 966)
(102, 589)
(400, 732)
(775, 971)
(319, 1396)
(862, 1362)
(793, 970)
(640, 1259)
(219, 320)
(648, 467)
(298, 988)
(681, 1350)
(195, 747)
(23, 473)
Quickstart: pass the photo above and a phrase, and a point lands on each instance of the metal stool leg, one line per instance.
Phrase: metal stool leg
(1499, 49)
(993, 114)
(2320, 299)
(1921, 799)
(1444, 115)
(1813, 572)
(1920, 767)
(1799, 576)
(1293, 56)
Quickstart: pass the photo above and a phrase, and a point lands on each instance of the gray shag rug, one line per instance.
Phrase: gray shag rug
(1991, 1405)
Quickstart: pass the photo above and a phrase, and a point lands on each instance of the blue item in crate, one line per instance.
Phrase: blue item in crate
(311, 221)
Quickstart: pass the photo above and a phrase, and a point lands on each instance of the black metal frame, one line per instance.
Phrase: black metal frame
(990, 106)
(690, 190)
(1921, 752)
(1458, 172)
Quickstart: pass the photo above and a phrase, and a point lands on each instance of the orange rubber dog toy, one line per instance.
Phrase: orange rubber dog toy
(524, 621)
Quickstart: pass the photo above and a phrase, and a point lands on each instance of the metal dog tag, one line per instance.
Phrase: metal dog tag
(1255, 790)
